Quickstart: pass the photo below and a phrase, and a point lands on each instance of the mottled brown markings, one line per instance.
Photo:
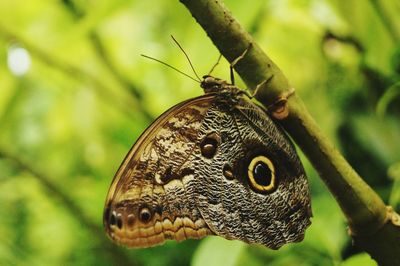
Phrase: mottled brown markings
(138, 165)
(124, 204)
(237, 128)
(158, 209)
(177, 206)
(182, 124)
(171, 175)
(169, 235)
(257, 128)
(191, 134)
(294, 210)
(213, 201)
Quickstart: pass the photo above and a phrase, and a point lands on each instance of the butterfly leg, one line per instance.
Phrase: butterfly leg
(234, 62)
(212, 69)
(260, 85)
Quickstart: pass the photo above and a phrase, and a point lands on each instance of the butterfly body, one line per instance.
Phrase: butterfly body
(213, 165)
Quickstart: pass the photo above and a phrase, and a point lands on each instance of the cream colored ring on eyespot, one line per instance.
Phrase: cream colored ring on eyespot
(253, 182)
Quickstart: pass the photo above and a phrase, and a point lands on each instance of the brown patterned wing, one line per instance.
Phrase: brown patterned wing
(216, 164)
(253, 186)
(151, 198)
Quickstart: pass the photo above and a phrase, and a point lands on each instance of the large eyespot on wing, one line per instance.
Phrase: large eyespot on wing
(261, 174)
(149, 199)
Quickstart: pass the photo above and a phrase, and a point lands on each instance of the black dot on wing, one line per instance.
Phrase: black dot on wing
(262, 174)
(113, 219)
(119, 221)
(145, 215)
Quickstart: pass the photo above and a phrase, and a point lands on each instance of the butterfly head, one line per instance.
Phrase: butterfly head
(212, 84)
(222, 88)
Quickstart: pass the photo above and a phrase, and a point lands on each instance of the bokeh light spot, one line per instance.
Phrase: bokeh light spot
(18, 60)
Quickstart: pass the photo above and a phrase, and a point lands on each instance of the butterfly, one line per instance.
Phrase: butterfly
(216, 164)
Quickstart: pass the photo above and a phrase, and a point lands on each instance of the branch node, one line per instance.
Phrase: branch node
(393, 216)
(279, 108)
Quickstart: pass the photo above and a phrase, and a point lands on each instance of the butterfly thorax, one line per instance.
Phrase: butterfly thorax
(219, 86)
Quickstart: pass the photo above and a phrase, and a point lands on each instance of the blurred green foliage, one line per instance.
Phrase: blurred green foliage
(75, 95)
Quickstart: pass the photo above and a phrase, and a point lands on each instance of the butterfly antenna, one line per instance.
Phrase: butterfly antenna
(168, 65)
(187, 57)
(213, 67)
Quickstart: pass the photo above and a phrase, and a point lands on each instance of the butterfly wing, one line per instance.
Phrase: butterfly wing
(210, 165)
(150, 198)
(254, 187)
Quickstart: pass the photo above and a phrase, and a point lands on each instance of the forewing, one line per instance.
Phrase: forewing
(151, 198)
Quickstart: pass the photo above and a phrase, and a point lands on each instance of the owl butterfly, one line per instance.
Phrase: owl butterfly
(212, 165)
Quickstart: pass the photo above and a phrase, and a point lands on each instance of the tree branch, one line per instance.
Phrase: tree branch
(367, 215)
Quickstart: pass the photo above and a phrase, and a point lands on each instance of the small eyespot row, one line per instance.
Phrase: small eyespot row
(116, 219)
(179, 229)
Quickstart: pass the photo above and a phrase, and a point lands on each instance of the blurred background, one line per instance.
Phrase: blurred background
(75, 94)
